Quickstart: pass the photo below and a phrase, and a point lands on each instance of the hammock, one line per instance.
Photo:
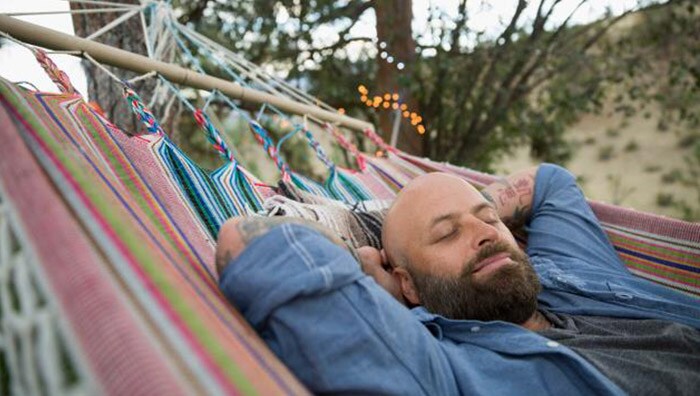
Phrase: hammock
(106, 242)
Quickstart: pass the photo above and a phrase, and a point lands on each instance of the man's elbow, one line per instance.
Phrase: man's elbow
(229, 243)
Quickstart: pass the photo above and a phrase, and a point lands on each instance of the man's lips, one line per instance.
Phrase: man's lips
(491, 263)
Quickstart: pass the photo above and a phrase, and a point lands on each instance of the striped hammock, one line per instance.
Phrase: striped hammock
(107, 244)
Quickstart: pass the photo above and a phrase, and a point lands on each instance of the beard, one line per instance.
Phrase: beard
(508, 294)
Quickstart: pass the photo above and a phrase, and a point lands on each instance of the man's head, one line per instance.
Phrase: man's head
(453, 255)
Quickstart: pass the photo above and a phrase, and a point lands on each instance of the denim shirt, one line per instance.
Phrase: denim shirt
(338, 331)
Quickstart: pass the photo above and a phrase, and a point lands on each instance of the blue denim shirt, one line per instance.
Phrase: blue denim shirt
(340, 332)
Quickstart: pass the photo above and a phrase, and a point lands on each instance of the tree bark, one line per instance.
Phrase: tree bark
(102, 89)
(394, 29)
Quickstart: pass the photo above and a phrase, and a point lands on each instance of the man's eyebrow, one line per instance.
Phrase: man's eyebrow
(452, 215)
(478, 208)
(444, 217)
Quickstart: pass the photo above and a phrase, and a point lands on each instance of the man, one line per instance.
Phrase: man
(485, 318)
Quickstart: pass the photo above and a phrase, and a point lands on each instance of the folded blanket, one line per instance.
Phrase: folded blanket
(359, 224)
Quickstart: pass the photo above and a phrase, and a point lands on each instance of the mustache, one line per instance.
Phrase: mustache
(488, 251)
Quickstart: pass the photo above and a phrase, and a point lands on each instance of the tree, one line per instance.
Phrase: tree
(102, 89)
(254, 28)
(479, 95)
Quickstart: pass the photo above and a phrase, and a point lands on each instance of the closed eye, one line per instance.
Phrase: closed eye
(446, 236)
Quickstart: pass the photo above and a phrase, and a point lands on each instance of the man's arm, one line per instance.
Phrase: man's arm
(239, 232)
(513, 196)
(333, 327)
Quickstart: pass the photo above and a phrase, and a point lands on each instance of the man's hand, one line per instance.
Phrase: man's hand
(239, 232)
(374, 264)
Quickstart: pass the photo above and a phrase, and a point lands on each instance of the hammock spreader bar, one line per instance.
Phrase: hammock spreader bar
(55, 40)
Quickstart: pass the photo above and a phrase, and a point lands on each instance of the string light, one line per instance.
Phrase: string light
(389, 100)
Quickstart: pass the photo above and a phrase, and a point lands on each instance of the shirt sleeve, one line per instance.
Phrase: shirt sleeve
(563, 227)
(335, 328)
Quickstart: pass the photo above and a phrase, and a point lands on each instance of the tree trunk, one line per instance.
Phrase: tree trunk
(102, 89)
(394, 29)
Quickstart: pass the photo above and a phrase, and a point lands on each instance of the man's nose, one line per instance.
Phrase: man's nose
(484, 234)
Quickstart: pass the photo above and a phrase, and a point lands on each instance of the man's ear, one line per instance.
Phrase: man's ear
(385, 259)
(408, 288)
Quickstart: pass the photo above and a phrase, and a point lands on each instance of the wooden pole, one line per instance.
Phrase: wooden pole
(52, 39)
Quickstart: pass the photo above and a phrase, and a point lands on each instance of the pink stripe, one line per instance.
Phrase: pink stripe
(155, 293)
(693, 260)
(104, 327)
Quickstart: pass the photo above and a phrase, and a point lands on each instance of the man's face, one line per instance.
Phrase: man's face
(463, 261)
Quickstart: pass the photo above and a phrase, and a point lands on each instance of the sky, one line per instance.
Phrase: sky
(17, 63)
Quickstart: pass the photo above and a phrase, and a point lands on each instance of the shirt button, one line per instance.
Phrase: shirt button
(552, 344)
(475, 329)
(624, 296)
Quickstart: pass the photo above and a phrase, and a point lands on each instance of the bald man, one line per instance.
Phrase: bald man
(467, 311)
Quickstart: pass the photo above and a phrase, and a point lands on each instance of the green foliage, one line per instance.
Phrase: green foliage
(612, 133)
(665, 200)
(480, 95)
(672, 176)
(606, 153)
(619, 191)
(631, 146)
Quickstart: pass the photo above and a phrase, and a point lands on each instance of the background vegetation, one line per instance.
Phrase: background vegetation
(481, 95)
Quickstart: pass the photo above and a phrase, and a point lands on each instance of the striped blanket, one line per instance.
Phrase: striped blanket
(125, 256)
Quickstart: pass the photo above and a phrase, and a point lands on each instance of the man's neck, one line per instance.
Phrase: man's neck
(537, 322)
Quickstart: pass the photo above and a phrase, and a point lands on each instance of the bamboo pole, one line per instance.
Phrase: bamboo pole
(52, 39)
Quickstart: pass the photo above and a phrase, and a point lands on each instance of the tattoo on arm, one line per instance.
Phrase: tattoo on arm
(256, 226)
(512, 197)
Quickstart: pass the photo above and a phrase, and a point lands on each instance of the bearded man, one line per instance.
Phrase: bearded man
(483, 316)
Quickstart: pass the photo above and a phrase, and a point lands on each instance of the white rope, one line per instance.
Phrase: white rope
(99, 2)
(241, 63)
(116, 22)
(146, 36)
(20, 43)
(77, 53)
(36, 344)
(102, 67)
(90, 11)
(142, 77)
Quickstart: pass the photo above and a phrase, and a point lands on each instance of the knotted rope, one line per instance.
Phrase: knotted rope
(377, 140)
(58, 76)
(349, 146)
(262, 137)
(213, 136)
(141, 111)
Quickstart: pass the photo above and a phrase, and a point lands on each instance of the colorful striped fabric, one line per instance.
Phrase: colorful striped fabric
(216, 197)
(341, 184)
(124, 254)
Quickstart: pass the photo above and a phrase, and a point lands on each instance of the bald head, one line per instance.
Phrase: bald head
(453, 255)
(418, 205)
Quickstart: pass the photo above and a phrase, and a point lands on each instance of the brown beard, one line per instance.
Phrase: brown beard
(509, 294)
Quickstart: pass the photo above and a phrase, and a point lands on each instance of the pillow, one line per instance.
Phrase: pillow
(358, 224)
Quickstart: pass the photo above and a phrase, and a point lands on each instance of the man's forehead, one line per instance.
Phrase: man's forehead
(435, 194)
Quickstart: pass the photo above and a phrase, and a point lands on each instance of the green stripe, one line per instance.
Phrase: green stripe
(115, 216)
